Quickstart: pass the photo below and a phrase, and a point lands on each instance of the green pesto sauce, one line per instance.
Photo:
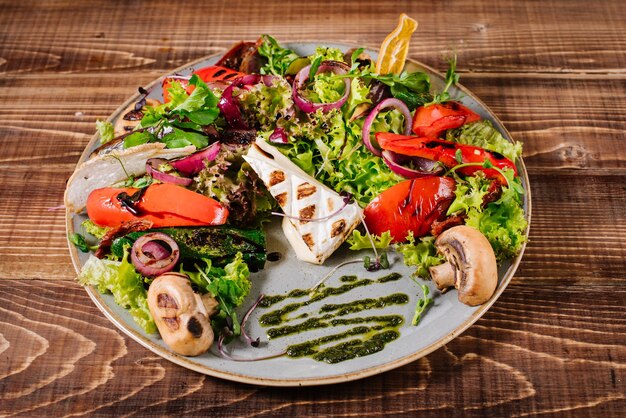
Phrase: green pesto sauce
(372, 338)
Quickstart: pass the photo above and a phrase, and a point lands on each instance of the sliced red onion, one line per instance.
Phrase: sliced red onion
(384, 104)
(194, 163)
(150, 254)
(303, 76)
(152, 169)
(279, 136)
(396, 163)
(229, 105)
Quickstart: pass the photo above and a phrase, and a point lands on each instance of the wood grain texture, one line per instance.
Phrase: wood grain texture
(553, 71)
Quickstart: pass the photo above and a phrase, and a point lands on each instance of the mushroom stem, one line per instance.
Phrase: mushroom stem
(443, 275)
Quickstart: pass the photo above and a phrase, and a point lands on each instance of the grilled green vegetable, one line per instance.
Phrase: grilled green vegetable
(217, 243)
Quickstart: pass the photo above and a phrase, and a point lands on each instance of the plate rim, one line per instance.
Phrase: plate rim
(184, 361)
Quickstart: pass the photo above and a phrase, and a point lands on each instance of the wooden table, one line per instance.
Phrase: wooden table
(553, 71)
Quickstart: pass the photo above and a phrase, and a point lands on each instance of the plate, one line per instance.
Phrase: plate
(445, 320)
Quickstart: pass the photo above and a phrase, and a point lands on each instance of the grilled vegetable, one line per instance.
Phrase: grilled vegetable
(218, 243)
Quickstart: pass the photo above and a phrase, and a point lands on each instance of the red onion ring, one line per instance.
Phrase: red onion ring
(279, 136)
(150, 261)
(229, 105)
(426, 167)
(155, 173)
(367, 124)
(303, 76)
(194, 163)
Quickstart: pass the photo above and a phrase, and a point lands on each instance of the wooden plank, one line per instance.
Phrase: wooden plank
(67, 359)
(555, 37)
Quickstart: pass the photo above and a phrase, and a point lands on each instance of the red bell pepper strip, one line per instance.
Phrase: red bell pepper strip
(410, 206)
(445, 152)
(209, 74)
(432, 120)
(162, 204)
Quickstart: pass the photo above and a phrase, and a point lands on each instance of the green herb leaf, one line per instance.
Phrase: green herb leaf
(278, 58)
(458, 156)
(79, 242)
(315, 65)
(138, 138)
(179, 138)
(422, 304)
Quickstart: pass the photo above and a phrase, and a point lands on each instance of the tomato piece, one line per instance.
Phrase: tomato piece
(447, 153)
(167, 83)
(217, 73)
(432, 120)
(162, 204)
(410, 206)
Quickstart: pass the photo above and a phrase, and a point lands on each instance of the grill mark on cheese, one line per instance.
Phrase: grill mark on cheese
(330, 204)
(276, 177)
(306, 189)
(337, 228)
(307, 213)
(281, 199)
(309, 241)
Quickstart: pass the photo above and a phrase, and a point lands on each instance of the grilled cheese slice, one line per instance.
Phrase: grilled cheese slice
(301, 196)
(107, 169)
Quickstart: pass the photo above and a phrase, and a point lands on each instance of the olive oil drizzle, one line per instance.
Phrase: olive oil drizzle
(374, 337)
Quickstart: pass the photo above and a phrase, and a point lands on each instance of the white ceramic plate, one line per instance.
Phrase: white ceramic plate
(445, 320)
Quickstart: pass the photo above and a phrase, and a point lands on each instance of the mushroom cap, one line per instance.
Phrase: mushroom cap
(180, 314)
(474, 263)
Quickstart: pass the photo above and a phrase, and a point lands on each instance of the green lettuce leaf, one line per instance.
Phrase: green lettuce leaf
(483, 134)
(122, 280)
(93, 229)
(105, 131)
(327, 54)
(359, 241)
(469, 193)
(420, 253)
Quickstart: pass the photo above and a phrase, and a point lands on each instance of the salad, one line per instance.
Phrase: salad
(346, 150)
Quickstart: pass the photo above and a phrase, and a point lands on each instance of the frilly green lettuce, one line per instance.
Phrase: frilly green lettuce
(122, 280)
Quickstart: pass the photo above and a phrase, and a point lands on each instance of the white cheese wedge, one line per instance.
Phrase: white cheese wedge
(105, 170)
(301, 196)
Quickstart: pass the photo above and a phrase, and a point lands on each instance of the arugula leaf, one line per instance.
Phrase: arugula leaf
(138, 138)
(79, 242)
(354, 58)
(179, 138)
(452, 78)
(278, 58)
(422, 304)
(229, 285)
(315, 65)
(105, 131)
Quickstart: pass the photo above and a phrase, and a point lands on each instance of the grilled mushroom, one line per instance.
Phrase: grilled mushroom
(180, 314)
(471, 265)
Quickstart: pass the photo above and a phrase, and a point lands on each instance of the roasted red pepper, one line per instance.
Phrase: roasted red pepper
(162, 204)
(209, 74)
(432, 120)
(445, 152)
(410, 206)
